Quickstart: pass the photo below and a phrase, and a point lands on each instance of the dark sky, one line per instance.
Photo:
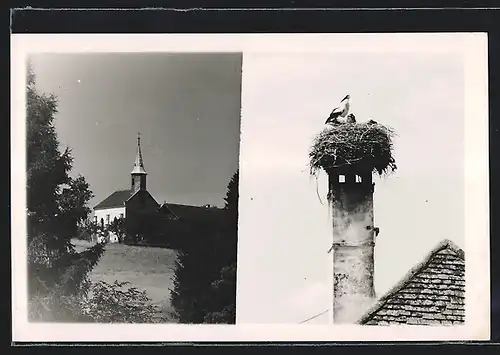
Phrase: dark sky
(186, 106)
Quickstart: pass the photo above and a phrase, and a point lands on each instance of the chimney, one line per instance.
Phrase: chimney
(351, 201)
(350, 153)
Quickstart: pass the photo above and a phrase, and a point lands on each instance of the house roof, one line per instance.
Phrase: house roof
(116, 199)
(188, 212)
(431, 293)
(167, 212)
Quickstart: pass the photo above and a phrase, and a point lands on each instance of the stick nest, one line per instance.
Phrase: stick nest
(359, 147)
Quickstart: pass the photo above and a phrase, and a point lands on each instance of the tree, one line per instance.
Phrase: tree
(88, 230)
(56, 204)
(117, 226)
(222, 291)
(205, 274)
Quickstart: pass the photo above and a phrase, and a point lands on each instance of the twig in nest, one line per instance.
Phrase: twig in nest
(317, 191)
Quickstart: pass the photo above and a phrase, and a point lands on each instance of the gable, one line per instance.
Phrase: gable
(141, 199)
(116, 199)
(167, 213)
(432, 293)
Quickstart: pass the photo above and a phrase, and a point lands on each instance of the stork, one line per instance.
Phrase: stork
(340, 111)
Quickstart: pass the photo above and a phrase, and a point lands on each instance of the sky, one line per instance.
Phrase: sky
(186, 107)
(284, 270)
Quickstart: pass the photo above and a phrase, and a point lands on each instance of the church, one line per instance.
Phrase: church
(138, 207)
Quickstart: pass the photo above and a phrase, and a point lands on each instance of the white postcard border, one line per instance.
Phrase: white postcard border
(474, 48)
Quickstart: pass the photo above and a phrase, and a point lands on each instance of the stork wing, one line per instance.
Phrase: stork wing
(336, 109)
(334, 114)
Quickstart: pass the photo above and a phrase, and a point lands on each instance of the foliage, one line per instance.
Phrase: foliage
(113, 303)
(56, 205)
(104, 303)
(118, 227)
(363, 147)
(87, 230)
(55, 307)
(223, 295)
(59, 288)
(223, 289)
(205, 273)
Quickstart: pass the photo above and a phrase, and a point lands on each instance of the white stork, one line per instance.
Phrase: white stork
(340, 111)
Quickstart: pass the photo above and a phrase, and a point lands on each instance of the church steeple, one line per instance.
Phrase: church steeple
(138, 173)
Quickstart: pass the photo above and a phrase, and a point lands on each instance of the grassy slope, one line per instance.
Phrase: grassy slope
(149, 269)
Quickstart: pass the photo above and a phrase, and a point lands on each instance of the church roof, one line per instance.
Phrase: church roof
(115, 200)
(431, 293)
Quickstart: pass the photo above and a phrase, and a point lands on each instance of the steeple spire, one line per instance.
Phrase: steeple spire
(139, 164)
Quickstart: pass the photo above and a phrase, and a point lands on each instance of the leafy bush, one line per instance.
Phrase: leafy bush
(117, 227)
(104, 303)
(113, 303)
(87, 230)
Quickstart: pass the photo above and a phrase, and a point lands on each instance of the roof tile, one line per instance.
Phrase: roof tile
(431, 294)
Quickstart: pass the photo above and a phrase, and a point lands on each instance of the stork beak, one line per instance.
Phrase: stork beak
(345, 98)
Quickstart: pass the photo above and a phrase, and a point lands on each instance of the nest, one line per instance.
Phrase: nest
(358, 147)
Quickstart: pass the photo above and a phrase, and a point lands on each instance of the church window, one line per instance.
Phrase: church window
(341, 178)
(358, 179)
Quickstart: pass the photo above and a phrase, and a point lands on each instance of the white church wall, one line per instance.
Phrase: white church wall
(111, 212)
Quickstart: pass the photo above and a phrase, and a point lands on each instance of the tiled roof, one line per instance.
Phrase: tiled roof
(431, 294)
(116, 199)
(192, 213)
(167, 212)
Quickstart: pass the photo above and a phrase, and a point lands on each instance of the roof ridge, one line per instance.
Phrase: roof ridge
(196, 206)
(165, 204)
(137, 191)
(98, 205)
(414, 271)
(448, 244)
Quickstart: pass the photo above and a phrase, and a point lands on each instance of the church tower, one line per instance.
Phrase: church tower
(138, 174)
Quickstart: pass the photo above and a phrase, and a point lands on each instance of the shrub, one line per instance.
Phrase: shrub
(113, 303)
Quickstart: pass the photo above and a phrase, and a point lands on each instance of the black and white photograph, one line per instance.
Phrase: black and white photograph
(356, 169)
(292, 187)
(132, 187)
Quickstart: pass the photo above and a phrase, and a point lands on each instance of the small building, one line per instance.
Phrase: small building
(141, 211)
(432, 293)
(127, 203)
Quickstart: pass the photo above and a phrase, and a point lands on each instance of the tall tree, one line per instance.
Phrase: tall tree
(205, 276)
(56, 204)
(222, 292)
